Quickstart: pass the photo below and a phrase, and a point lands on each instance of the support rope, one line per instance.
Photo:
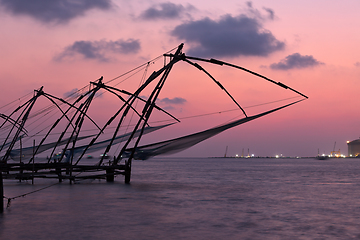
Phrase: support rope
(9, 199)
(25, 194)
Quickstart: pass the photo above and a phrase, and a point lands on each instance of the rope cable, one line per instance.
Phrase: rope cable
(193, 116)
(234, 109)
(136, 102)
(16, 100)
(153, 60)
(25, 194)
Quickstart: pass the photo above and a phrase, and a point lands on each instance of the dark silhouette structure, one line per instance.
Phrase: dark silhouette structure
(65, 160)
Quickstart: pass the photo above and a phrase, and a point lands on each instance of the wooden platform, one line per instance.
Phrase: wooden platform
(60, 171)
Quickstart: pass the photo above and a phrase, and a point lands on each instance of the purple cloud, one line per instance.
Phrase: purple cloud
(296, 61)
(228, 37)
(176, 100)
(98, 50)
(165, 10)
(53, 11)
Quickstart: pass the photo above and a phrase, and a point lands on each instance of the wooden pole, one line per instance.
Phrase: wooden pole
(1, 192)
(127, 171)
(32, 179)
(20, 171)
(110, 175)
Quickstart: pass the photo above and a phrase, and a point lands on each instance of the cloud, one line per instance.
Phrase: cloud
(168, 103)
(168, 108)
(296, 61)
(98, 50)
(270, 13)
(165, 10)
(228, 37)
(357, 64)
(54, 11)
(75, 93)
(124, 46)
(176, 100)
(72, 93)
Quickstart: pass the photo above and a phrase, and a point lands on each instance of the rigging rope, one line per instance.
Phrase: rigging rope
(25, 194)
(16, 100)
(8, 205)
(153, 60)
(136, 101)
(229, 110)
(37, 190)
(189, 117)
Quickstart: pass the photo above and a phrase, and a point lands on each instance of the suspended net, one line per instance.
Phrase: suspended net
(179, 144)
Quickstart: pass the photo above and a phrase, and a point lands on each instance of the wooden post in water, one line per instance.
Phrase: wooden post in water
(58, 172)
(110, 175)
(20, 171)
(32, 179)
(1, 192)
(127, 171)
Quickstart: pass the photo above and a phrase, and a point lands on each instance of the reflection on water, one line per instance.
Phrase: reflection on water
(196, 199)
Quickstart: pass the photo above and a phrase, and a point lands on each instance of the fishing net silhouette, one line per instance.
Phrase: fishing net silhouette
(178, 144)
(28, 152)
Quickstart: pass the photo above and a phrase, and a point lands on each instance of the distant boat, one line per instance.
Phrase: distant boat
(322, 157)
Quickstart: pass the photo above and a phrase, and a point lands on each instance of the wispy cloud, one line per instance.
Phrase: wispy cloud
(171, 103)
(72, 93)
(357, 64)
(53, 11)
(176, 100)
(228, 37)
(166, 10)
(98, 50)
(296, 61)
(270, 12)
(251, 11)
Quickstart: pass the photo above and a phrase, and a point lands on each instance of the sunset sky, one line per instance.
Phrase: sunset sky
(311, 46)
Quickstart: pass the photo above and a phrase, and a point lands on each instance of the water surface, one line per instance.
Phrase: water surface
(195, 198)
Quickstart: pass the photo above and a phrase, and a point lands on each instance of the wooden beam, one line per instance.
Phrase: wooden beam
(1, 192)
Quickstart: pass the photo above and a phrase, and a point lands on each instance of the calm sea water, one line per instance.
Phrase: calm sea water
(196, 198)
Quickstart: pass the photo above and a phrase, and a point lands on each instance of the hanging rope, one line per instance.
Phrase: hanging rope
(153, 60)
(15, 101)
(229, 110)
(25, 194)
(136, 102)
(8, 205)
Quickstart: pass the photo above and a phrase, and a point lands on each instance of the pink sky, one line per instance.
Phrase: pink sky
(47, 47)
